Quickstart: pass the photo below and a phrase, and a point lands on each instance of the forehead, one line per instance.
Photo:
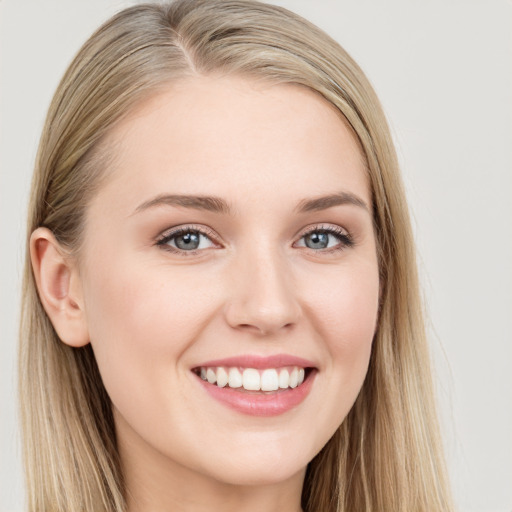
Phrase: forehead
(217, 136)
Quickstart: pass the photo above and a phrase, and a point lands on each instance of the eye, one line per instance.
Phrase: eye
(322, 238)
(186, 239)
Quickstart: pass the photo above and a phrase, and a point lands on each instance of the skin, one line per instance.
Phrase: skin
(253, 287)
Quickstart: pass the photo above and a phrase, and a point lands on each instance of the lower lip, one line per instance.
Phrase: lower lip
(261, 404)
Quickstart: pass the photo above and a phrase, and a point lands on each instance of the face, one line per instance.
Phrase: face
(230, 278)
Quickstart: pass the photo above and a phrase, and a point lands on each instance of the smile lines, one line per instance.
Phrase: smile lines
(251, 379)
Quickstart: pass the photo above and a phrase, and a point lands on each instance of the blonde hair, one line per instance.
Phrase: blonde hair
(386, 455)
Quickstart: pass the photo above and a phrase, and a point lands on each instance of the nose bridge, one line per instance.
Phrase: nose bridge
(263, 297)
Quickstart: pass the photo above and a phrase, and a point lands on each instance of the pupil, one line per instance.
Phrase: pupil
(317, 240)
(188, 241)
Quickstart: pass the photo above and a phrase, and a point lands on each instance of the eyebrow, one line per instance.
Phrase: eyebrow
(218, 205)
(208, 203)
(331, 200)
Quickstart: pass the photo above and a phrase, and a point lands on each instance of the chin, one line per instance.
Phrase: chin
(264, 474)
(261, 467)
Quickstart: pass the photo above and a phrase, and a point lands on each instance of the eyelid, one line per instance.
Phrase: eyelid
(345, 237)
(169, 233)
(204, 230)
(322, 226)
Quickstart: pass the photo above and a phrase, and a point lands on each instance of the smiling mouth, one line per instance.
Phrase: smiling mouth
(258, 386)
(267, 380)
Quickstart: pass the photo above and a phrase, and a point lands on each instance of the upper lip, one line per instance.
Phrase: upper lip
(259, 362)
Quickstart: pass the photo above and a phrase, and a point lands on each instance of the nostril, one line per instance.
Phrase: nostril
(257, 329)
(264, 328)
(262, 313)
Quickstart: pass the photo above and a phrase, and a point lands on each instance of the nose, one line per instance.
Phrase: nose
(263, 299)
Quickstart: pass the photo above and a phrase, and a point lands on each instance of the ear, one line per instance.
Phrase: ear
(59, 286)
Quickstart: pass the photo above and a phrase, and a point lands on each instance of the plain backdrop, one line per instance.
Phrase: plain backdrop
(443, 70)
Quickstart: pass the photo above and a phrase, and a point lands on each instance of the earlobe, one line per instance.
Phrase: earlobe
(58, 284)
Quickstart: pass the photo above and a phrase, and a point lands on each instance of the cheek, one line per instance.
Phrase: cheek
(134, 303)
(141, 319)
(346, 320)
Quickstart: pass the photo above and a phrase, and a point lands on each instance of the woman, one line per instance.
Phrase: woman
(221, 305)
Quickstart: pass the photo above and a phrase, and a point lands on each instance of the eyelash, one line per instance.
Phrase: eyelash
(344, 238)
(163, 240)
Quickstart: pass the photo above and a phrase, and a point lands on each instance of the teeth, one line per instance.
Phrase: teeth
(222, 377)
(251, 380)
(235, 378)
(284, 379)
(270, 379)
(211, 376)
(294, 378)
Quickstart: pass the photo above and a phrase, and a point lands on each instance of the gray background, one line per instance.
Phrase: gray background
(443, 70)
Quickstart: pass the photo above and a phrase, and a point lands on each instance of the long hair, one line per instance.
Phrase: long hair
(386, 455)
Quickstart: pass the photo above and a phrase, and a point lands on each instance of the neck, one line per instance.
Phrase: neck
(155, 483)
(203, 497)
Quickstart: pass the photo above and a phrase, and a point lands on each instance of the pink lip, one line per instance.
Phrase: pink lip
(260, 403)
(260, 362)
